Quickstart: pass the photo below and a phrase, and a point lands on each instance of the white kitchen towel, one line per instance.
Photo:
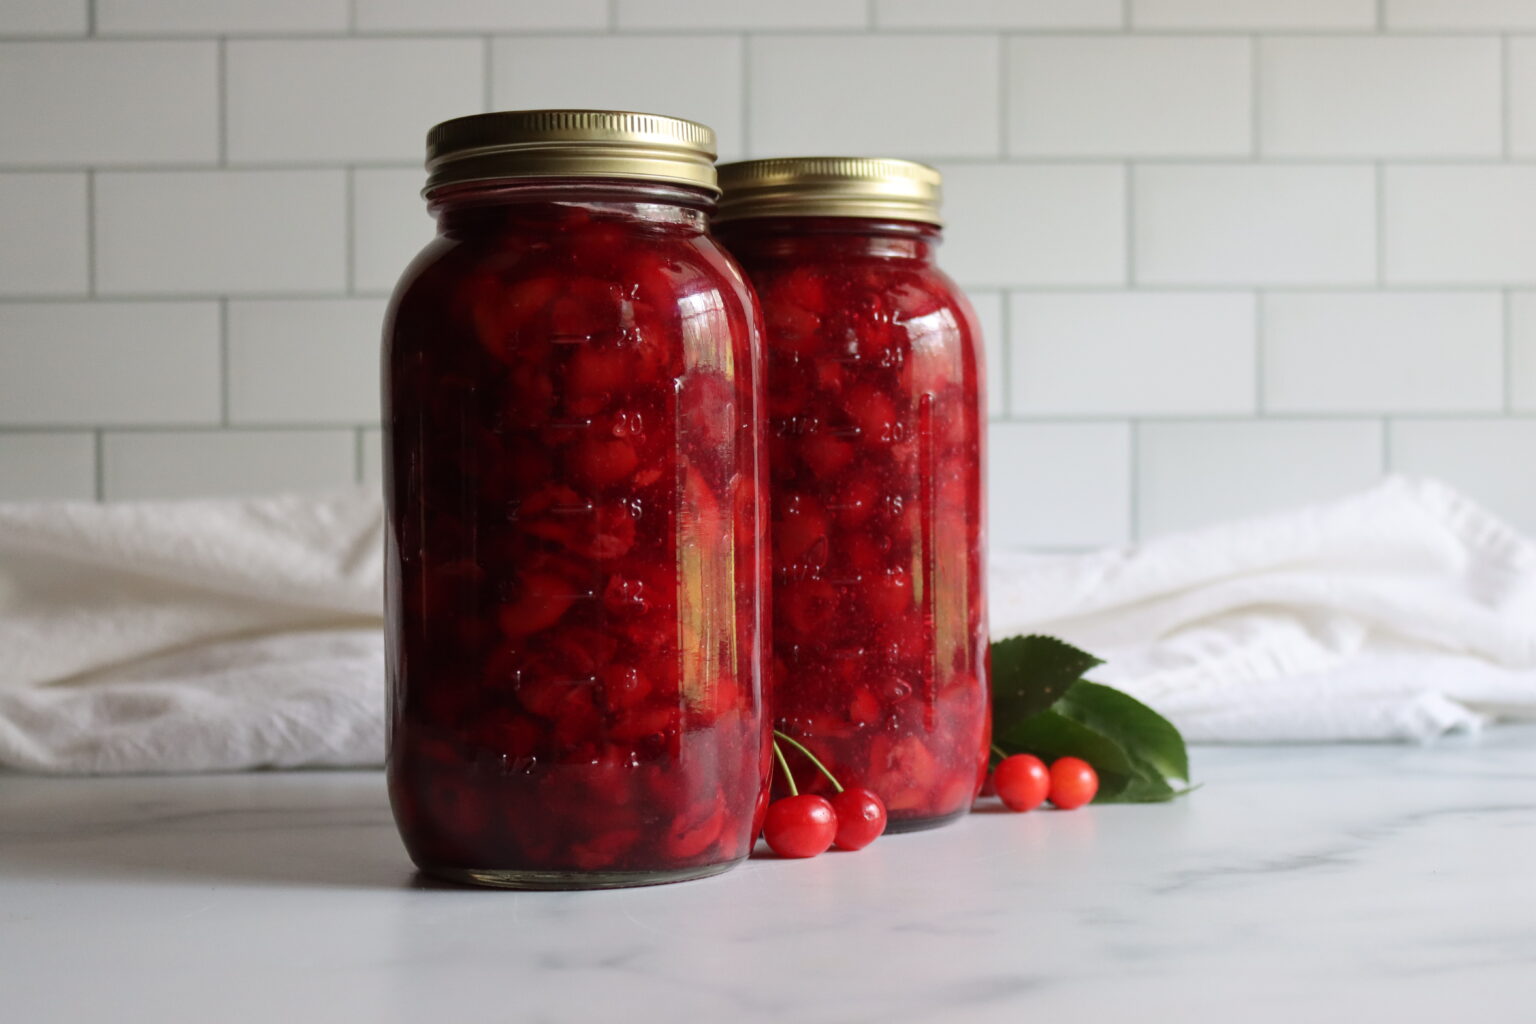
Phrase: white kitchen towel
(197, 636)
(191, 636)
(1399, 613)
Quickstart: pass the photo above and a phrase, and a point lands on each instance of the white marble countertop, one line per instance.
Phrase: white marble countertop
(1302, 884)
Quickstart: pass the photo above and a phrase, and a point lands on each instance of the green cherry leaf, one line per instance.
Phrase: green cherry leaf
(1149, 738)
(1030, 673)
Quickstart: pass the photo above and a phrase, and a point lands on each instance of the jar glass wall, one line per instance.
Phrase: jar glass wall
(575, 573)
(876, 452)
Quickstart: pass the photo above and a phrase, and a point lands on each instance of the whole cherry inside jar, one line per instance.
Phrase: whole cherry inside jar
(875, 459)
(575, 559)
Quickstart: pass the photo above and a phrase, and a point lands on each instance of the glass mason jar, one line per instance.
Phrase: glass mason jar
(575, 565)
(875, 458)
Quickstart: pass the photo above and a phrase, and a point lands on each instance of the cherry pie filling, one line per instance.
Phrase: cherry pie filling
(879, 616)
(572, 466)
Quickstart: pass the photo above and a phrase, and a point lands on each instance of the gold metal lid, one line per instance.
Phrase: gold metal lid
(570, 144)
(830, 186)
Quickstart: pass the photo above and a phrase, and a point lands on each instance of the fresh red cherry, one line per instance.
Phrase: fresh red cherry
(1073, 782)
(860, 818)
(800, 826)
(1022, 782)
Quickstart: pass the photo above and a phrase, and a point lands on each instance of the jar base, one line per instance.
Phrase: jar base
(513, 878)
(924, 824)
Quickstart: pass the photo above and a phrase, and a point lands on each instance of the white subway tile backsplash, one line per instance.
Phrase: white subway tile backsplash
(1490, 15)
(1009, 224)
(1459, 224)
(48, 466)
(304, 361)
(94, 102)
(44, 17)
(1193, 474)
(1362, 96)
(1000, 14)
(220, 232)
(1361, 352)
(480, 15)
(1522, 104)
(43, 222)
(1522, 351)
(1488, 459)
(1109, 96)
(859, 94)
(390, 225)
(693, 15)
(989, 318)
(218, 17)
(1233, 236)
(1132, 354)
(697, 77)
(226, 463)
(1254, 224)
(347, 99)
(1058, 485)
(109, 363)
(1253, 14)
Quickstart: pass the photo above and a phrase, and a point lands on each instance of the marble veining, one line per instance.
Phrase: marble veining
(1300, 884)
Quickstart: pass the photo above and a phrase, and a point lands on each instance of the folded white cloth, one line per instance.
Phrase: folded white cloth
(217, 635)
(1399, 613)
(191, 636)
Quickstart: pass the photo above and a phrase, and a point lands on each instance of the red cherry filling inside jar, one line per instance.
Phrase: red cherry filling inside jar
(875, 435)
(575, 647)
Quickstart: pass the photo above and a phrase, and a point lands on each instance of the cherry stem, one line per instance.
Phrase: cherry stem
(814, 759)
(999, 751)
(784, 767)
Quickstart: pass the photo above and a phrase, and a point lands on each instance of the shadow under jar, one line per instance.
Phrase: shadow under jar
(874, 381)
(575, 566)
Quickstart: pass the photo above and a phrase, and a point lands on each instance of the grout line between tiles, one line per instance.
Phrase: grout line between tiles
(927, 31)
